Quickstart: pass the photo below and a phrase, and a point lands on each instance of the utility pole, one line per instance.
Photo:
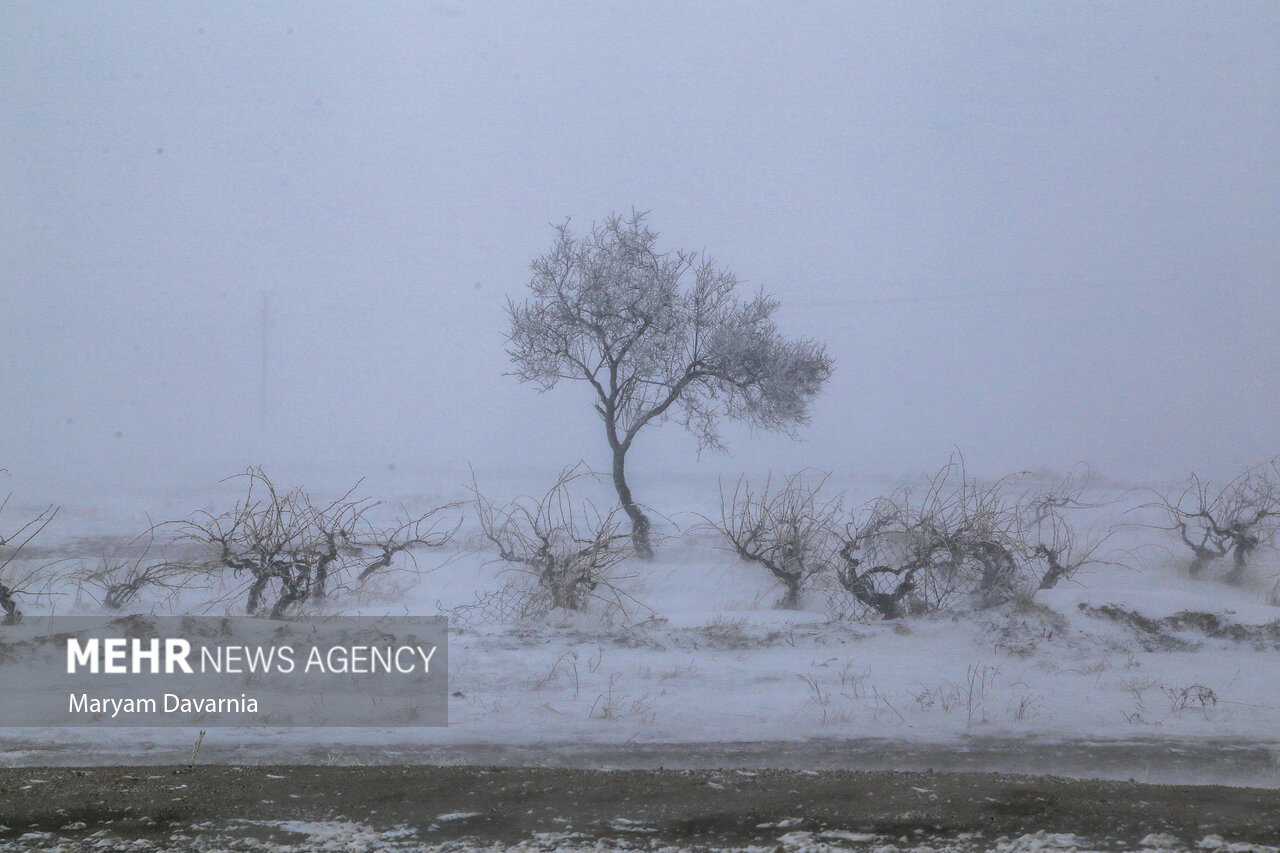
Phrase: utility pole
(262, 387)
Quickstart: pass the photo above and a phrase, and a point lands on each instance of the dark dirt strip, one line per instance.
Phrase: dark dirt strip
(680, 806)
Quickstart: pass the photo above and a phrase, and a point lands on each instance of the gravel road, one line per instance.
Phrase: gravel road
(463, 808)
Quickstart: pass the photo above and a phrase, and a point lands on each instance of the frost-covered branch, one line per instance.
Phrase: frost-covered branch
(658, 336)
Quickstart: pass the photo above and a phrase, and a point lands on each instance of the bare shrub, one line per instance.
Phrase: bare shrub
(1059, 552)
(296, 550)
(15, 578)
(567, 550)
(945, 695)
(1233, 519)
(1027, 706)
(786, 530)
(957, 538)
(1054, 542)
(960, 540)
(1195, 697)
(120, 576)
(880, 558)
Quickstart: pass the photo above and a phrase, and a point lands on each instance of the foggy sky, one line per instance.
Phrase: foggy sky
(1042, 233)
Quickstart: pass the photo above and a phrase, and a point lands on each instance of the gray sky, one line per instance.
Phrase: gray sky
(1043, 233)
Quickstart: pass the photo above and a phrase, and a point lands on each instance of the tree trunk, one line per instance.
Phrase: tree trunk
(1238, 560)
(1203, 557)
(12, 615)
(639, 521)
(1056, 570)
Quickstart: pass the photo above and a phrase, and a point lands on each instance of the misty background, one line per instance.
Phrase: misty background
(1043, 233)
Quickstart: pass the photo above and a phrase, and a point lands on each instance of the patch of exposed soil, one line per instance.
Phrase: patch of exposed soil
(718, 808)
(1182, 631)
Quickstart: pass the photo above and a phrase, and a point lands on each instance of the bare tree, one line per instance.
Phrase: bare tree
(1216, 520)
(787, 530)
(568, 547)
(295, 550)
(611, 310)
(14, 582)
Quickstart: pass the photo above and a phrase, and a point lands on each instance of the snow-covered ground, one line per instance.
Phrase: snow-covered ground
(1133, 653)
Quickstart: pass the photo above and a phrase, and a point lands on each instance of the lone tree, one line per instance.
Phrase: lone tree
(658, 335)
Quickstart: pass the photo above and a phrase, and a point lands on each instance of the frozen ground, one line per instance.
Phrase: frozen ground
(1129, 671)
(470, 808)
